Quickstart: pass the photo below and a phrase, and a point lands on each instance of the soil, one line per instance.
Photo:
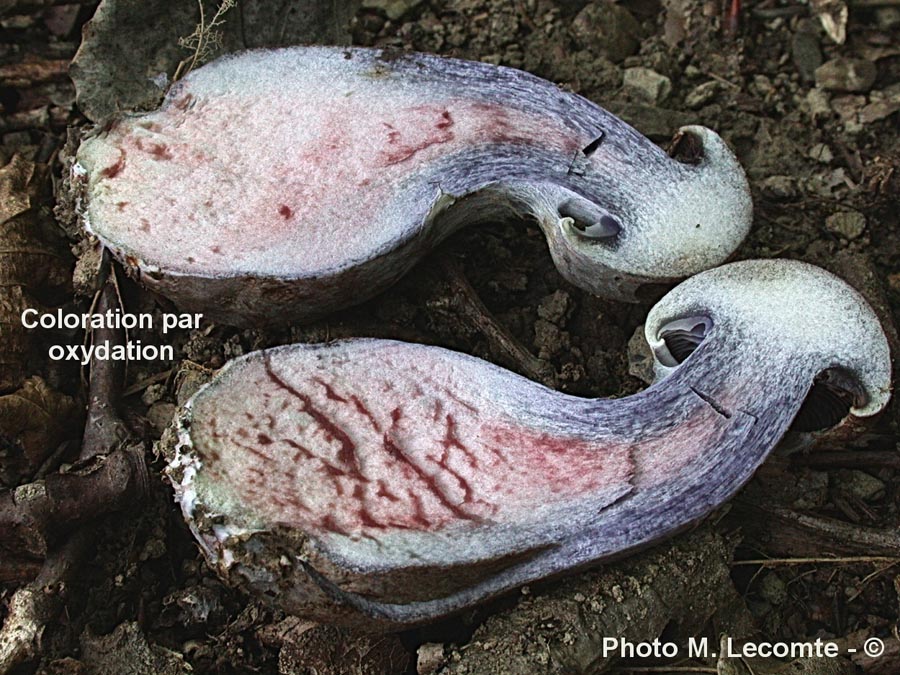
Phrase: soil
(821, 146)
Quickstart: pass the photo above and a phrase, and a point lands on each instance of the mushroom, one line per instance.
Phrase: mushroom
(395, 483)
(278, 185)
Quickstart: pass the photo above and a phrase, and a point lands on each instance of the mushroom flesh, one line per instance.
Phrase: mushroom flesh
(278, 185)
(373, 480)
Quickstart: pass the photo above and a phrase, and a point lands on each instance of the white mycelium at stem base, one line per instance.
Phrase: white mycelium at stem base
(277, 185)
(400, 482)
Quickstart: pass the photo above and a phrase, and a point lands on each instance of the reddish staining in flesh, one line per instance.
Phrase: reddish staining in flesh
(183, 102)
(120, 206)
(145, 225)
(114, 169)
(403, 146)
(285, 211)
(159, 151)
(372, 473)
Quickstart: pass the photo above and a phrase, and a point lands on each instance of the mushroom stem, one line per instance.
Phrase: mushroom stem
(403, 482)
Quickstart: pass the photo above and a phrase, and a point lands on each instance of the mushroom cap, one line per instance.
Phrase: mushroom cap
(786, 313)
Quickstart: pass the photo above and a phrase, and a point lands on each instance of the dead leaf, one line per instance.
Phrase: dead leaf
(34, 421)
(34, 262)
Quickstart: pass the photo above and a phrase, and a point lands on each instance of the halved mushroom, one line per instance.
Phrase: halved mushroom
(384, 481)
(274, 186)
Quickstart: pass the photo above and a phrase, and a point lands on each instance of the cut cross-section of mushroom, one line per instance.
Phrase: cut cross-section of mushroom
(275, 186)
(395, 482)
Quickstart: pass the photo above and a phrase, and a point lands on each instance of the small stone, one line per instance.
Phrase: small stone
(692, 71)
(653, 121)
(773, 589)
(780, 187)
(153, 393)
(763, 85)
(821, 153)
(845, 74)
(648, 84)
(888, 18)
(817, 104)
(806, 54)
(848, 108)
(702, 94)
(894, 282)
(549, 339)
(878, 110)
(882, 104)
(640, 357)
(161, 415)
(555, 307)
(394, 9)
(860, 484)
(607, 29)
(846, 224)
(429, 658)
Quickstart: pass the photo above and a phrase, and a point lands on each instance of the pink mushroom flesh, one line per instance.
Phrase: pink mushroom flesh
(294, 188)
(384, 441)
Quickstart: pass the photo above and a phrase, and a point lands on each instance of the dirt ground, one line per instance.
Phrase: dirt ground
(814, 122)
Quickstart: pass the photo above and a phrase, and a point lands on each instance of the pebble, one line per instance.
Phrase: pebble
(607, 29)
(649, 85)
(821, 153)
(702, 94)
(640, 356)
(154, 393)
(806, 54)
(773, 589)
(781, 187)
(555, 307)
(883, 103)
(888, 18)
(429, 658)
(846, 224)
(860, 484)
(160, 415)
(845, 74)
(818, 105)
(394, 9)
(848, 108)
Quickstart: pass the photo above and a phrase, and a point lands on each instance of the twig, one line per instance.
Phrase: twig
(849, 459)
(33, 515)
(104, 430)
(463, 301)
(780, 530)
(669, 669)
(204, 39)
(34, 605)
(851, 560)
(147, 381)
